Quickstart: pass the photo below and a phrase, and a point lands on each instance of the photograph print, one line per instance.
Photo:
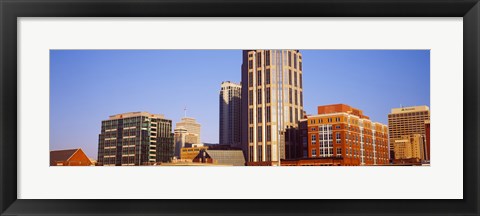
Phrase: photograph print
(252, 107)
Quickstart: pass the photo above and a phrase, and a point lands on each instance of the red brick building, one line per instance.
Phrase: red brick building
(69, 157)
(341, 131)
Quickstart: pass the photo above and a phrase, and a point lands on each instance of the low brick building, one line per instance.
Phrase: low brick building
(69, 157)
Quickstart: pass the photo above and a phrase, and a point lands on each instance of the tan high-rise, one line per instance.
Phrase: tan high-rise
(406, 121)
(272, 103)
(187, 131)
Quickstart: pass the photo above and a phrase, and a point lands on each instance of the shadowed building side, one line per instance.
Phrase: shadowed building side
(229, 119)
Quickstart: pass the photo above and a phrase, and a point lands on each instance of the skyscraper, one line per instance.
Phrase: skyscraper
(187, 131)
(406, 121)
(230, 105)
(135, 138)
(272, 103)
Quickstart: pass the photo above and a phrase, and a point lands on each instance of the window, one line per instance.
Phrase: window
(259, 59)
(250, 64)
(290, 77)
(267, 95)
(250, 97)
(295, 79)
(250, 79)
(289, 58)
(301, 98)
(259, 77)
(267, 57)
(295, 60)
(250, 116)
(314, 152)
(290, 96)
(267, 114)
(296, 115)
(291, 114)
(300, 64)
(259, 153)
(267, 76)
(314, 139)
(250, 134)
(296, 98)
(259, 96)
(259, 133)
(269, 133)
(259, 115)
(337, 127)
(338, 138)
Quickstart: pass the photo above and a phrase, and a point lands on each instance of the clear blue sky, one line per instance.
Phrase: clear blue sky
(87, 86)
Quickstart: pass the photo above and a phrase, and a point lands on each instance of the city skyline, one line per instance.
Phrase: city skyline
(90, 85)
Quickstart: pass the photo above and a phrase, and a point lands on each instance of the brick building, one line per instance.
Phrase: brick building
(69, 157)
(341, 131)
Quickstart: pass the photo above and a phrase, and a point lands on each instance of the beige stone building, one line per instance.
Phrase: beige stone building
(186, 132)
(410, 146)
(406, 121)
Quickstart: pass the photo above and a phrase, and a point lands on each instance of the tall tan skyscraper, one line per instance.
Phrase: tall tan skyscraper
(230, 104)
(187, 131)
(406, 121)
(272, 103)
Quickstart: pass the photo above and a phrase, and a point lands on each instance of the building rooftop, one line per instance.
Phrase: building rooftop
(135, 114)
(61, 155)
(410, 109)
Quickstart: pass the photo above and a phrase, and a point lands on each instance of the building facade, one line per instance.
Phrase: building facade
(230, 105)
(410, 147)
(406, 121)
(134, 139)
(186, 132)
(341, 131)
(272, 103)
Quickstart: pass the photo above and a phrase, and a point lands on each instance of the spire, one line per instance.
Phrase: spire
(185, 110)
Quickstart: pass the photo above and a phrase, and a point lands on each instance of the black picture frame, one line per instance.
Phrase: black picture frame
(10, 10)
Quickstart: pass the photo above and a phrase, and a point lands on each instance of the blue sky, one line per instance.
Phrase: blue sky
(87, 86)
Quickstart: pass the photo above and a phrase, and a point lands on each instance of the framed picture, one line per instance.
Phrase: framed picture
(226, 107)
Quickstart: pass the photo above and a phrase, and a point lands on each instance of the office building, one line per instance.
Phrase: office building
(186, 132)
(410, 147)
(134, 139)
(406, 121)
(341, 131)
(272, 103)
(230, 104)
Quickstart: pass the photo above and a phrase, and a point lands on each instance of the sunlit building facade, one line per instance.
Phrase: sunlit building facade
(341, 131)
(272, 103)
(134, 139)
(407, 121)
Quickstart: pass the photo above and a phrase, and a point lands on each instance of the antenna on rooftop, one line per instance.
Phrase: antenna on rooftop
(185, 110)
